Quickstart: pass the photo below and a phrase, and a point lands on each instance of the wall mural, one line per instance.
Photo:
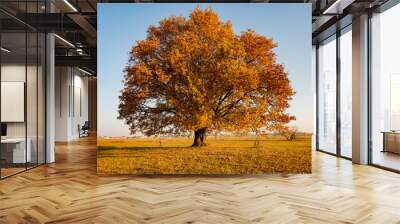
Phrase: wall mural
(204, 89)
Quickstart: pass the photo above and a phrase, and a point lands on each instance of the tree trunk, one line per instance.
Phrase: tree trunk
(199, 137)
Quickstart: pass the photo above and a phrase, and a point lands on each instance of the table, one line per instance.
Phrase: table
(391, 141)
(13, 150)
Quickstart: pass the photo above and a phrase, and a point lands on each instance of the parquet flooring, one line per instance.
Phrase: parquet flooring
(70, 191)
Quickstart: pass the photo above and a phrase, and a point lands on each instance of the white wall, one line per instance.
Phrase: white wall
(16, 73)
(80, 109)
(62, 83)
(71, 102)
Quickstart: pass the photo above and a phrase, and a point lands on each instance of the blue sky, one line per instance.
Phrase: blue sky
(121, 25)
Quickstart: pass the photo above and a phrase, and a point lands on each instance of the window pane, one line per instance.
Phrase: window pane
(327, 96)
(385, 86)
(14, 153)
(346, 94)
(31, 97)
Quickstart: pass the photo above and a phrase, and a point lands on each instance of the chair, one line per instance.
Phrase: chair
(84, 130)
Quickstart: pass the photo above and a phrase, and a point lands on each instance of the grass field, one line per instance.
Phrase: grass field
(222, 155)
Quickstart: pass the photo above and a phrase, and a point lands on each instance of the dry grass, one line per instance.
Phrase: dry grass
(225, 155)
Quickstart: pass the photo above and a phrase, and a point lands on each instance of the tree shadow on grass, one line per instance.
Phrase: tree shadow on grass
(104, 148)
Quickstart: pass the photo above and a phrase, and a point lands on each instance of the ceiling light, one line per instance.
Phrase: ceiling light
(70, 5)
(331, 7)
(338, 6)
(5, 50)
(79, 51)
(84, 71)
(65, 41)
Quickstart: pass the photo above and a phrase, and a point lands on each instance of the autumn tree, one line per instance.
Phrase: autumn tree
(196, 74)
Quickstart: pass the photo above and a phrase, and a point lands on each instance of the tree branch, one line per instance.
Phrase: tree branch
(221, 100)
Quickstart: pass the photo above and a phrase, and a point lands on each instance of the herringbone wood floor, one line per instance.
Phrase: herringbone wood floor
(70, 191)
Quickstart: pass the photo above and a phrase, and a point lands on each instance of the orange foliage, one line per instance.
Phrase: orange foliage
(195, 73)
